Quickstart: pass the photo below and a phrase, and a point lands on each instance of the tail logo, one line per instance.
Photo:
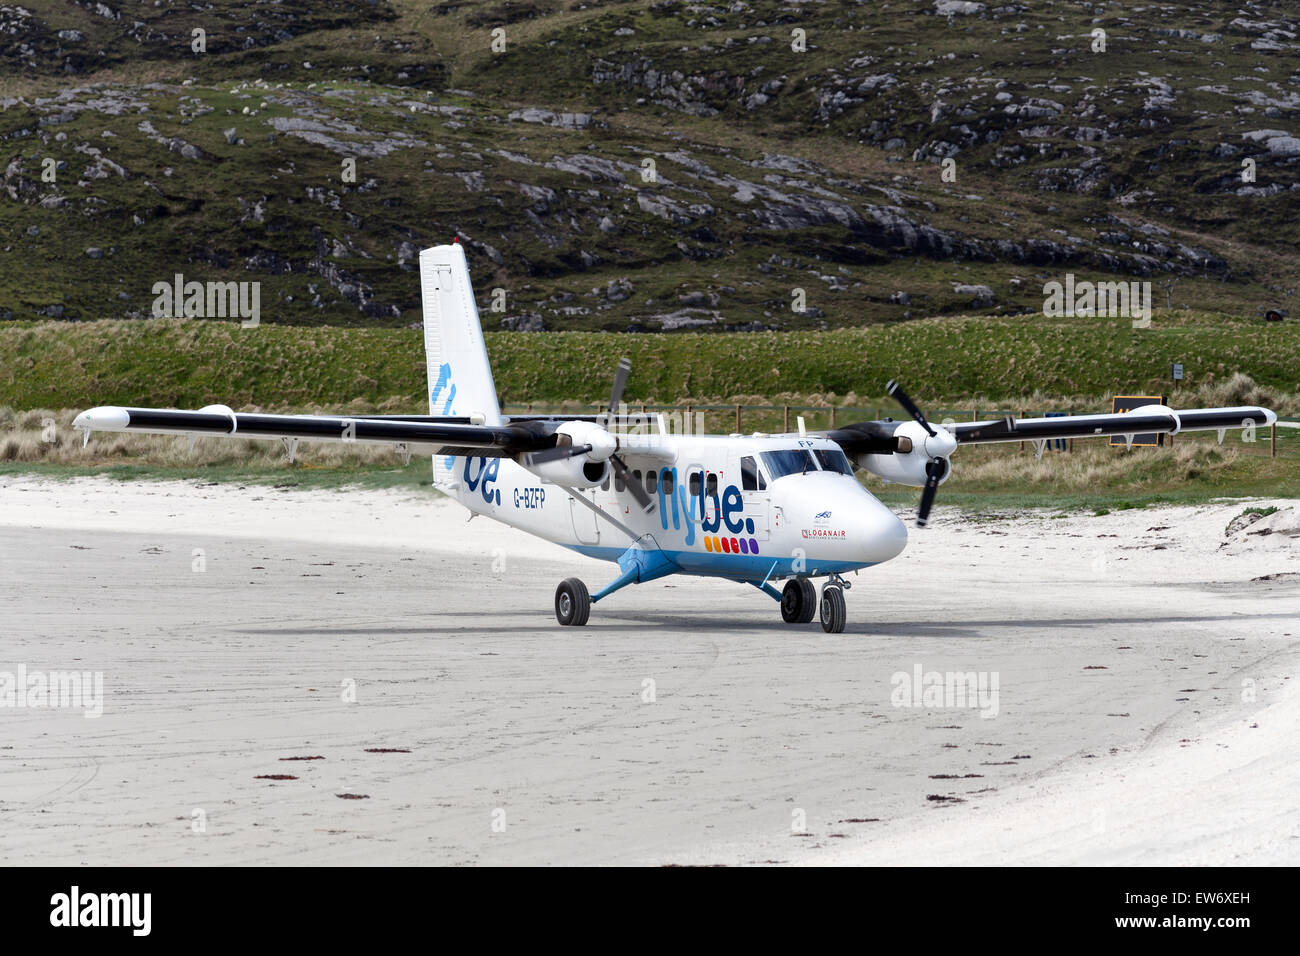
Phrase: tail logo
(444, 379)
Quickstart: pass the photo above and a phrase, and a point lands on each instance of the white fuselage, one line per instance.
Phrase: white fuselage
(721, 506)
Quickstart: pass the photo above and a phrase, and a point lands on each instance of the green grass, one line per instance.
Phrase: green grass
(181, 363)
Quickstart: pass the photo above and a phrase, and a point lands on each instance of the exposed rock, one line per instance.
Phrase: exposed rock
(982, 295)
(524, 322)
(549, 118)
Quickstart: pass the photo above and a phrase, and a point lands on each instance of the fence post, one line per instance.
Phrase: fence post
(1272, 440)
(787, 419)
(737, 419)
(832, 416)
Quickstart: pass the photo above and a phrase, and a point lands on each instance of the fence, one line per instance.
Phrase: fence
(775, 419)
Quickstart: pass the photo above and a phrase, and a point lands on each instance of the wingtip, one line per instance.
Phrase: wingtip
(102, 418)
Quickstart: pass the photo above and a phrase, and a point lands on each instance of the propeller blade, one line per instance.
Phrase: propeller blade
(558, 452)
(624, 475)
(896, 392)
(933, 472)
(620, 382)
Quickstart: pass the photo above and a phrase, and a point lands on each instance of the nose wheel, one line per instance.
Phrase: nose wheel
(572, 603)
(833, 613)
(798, 601)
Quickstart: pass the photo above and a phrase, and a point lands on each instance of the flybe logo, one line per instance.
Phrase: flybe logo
(713, 509)
(440, 389)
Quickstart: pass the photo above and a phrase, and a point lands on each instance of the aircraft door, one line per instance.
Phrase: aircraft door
(753, 491)
(586, 524)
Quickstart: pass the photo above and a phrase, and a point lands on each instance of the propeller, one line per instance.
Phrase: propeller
(556, 453)
(620, 468)
(934, 472)
(896, 392)
(937, 466)
(621, 471)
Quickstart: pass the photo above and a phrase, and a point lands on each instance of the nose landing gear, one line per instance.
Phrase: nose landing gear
(833, 613)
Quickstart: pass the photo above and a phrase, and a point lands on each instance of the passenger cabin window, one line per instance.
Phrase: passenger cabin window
(695, 484)
(832, 459)
(796, 461)
(651, 482)
(711, 484)
(604, 485)
(751, 479)
(619, 483)
(668, 483)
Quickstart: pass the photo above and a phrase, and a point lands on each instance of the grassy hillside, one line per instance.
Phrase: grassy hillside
(946, 360)
(775, 170)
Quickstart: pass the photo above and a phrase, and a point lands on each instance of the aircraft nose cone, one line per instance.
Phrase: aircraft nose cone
(882, 535)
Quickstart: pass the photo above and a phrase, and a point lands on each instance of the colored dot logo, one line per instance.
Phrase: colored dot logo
(724, 545)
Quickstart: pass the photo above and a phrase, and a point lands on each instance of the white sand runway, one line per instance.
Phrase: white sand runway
(1145, 708)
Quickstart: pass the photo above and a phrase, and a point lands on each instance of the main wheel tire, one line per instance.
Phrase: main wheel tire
(791, 602)
(572, 603)
(809, 601)
(833, 611)
(798, 601)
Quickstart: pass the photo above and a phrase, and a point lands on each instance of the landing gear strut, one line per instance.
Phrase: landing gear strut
(572, 603)
(798, 601)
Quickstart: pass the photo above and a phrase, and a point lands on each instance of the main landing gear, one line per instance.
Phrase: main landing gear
(572, 603)
(799, 603)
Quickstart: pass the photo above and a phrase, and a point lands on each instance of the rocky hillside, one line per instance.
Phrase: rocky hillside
(647, 166)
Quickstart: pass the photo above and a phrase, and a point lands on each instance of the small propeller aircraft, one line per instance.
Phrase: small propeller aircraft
(756, 509)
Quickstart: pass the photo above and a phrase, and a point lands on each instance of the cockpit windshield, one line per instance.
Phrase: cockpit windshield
(832, 459)
(795, 461)
(801, 461)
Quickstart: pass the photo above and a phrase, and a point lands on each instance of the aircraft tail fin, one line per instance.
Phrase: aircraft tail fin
(460, 378)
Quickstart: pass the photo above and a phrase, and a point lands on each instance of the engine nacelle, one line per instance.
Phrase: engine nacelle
(908, 467)
(572, 472)
(581, 471)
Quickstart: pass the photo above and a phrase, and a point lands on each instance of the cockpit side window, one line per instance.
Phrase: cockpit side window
(751, 479)
(832, 459)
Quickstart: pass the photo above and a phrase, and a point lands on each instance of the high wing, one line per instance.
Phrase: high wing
(1147, 419)
(877, 437)
(407, 434)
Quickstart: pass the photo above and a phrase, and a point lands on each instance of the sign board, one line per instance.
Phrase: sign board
(1178, 371)
(1126, 403)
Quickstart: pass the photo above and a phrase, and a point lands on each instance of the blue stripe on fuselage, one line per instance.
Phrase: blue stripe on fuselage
(736, 567)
